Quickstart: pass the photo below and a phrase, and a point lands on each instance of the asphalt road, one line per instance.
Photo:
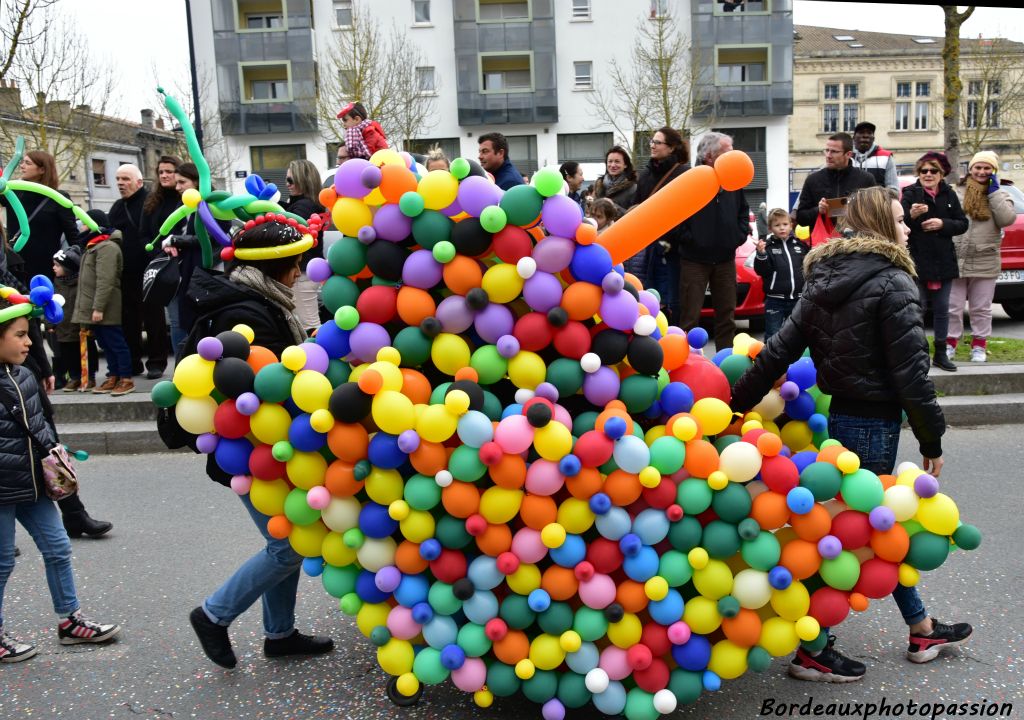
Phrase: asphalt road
(178, 535)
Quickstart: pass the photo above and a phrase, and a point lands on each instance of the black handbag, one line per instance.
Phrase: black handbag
(160, 280)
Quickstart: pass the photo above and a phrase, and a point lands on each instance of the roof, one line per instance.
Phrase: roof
(812, 41)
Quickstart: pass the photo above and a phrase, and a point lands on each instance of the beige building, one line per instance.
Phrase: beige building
(843, 77)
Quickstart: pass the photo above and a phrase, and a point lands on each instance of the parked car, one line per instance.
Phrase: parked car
(749, 288)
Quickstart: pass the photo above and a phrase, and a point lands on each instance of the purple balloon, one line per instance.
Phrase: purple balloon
(650, 302)
(366, 339)
(543, 291)
(207, 443)
(601, 387)
(553, 709)
(348, 178)
(829, 547)
(391, 224)
(387, 579)
(508, 346)
(476, 193)
(619, 311)
(926, 486)
(547, 390)
(408, 441)
(454, 314)
(210, 348)
(318, 270)
(421, 270)
(613, 283)
(789, 390)
(494, 321)
(371, 177)
(882, 518)
(366, 234)
(247, 403)
(316, 357)
(561, 215)
(452, 210)
(553, 254)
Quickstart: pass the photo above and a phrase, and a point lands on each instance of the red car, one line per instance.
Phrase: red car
(749, 290)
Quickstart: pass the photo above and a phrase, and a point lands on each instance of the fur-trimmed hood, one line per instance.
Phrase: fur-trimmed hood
(895, 254)
(841, 267)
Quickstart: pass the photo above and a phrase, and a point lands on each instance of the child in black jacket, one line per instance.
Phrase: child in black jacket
(779, 262)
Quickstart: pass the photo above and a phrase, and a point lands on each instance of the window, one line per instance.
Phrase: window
(449, 146)
(421, 12)
(830, 122)
(903, 89)
(99, 173)
(580, 9)
(902, 116)
(506, 73)
(584, 147)
(993, 87)
(992, 113)
(851, 91)
(260, 15)
(982, 94)
(832, 91)
(425, 81)
(848, 109)
(741, 65)
(723, 7)
(921, 112)
(583, 72)
(923, 89)
(849, 117)
(971, 114)
(498, 11)
(913, 112)
(265, 82)
(974, 87)
(343, 13)
(522, 151)
(659, 8)
(270, 162)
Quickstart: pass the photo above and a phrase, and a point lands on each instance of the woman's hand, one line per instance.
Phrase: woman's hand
(171, 250)
(917, 210)
(932, 225)
(933, 466)
(49, 384)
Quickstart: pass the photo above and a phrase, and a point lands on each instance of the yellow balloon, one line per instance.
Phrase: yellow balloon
(308, 540)
(336, 552)
(575, 515)
(902, 500)
(293, 358)
(626, 632)
(390, 373)
(438, 188)
(938, 514)
(909, 576)
(778, 636)
(807, 628)
(384, 486)
(751, 588)
(195, 414)
(193, 376)
(713, 415)
(656, 588)
(371, 616)
(306, 469)
(268, 496)
(728, 661)
(502, 283)
(714, 580)
(791, 603)
(321, 420)
(546, 652)
(191, 198)
(350, 214)
(407, 684)
(499, 505)
(417, 526)
(393, 412)
(376, 553)
(387, 156)
(270, 423)
(553, 441)
(796, 435)
(311, 390)
(525, 579)
(527, 370)
(435, 424)
(702, 615)
(395, 657)
(449, 353)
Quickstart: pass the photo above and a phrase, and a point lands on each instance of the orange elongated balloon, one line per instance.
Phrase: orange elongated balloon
(659, 213)
(735, 169)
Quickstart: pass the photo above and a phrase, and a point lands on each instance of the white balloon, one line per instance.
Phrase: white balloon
(665, 701)
(59, 299)
(596, 681)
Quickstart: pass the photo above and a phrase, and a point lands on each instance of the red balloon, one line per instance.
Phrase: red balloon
(829, 606)
(449, 566)
(654, 677)
(655, 637)
(512, 244)
(703, 377)
(779, 474)
(639, 657)
(230, 423)
(377, 304)
(662, 496)
(594, 448)
(532, 331)
(573, 340)
(853, 530)
(878, 578)
(264, 466)
(605, 555)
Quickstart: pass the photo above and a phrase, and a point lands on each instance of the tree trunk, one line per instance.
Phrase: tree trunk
(952, 86)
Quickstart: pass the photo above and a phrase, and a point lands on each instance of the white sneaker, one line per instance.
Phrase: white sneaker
(950, 351)
(978, 354)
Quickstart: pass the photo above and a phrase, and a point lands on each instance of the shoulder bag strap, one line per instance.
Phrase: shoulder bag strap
(664, 177)
(14, 408)
(31, 216)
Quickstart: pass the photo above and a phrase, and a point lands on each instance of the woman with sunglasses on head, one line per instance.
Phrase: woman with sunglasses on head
(303, 181)
(934, 216)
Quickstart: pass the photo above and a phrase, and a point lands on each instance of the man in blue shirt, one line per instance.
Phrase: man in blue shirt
(494, 159)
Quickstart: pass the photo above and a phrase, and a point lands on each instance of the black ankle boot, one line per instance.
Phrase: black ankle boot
(79, 523)
(940, 359)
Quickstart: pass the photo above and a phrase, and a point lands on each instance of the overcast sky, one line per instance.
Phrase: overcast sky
(147, 38)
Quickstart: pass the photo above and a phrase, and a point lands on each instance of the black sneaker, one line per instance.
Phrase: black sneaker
(213, 638)
(74, 629)
(924, 648)
(297, 644)
(12, 651)
(829, 665)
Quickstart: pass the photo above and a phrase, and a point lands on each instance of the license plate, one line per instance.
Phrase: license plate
(1011, 276)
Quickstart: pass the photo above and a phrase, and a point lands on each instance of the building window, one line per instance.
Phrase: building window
(584, 75)
(506, 73)
(992, 113)
(659, 8)
(847, 109)
(723, 7)
(830, 118)
(974, 87)
(913, 111)
(982, 94)
(902, 89)
(741, 65)
(924, 89)
(260, 15)
(343, 13)
(831, 91)
(850, 117)
(902, 116)
(270, 162)
(584, 147)
(522, 151)
(265, 82)
(425, 81)
(421, 12)
(99, 173)
(422, 146)
(971, 114)
(921, 111)
(851, 91)
(580, 9)
(498, 11)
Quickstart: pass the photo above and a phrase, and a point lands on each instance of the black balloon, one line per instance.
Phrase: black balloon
(476, 299)
(233, 376)
(349, 404)
(645, 355)
(611, 346)
(538, 415)
(430, 326)
(469, 238)
(475, 392)
(235, 344)
(385, 259)
(558, 317)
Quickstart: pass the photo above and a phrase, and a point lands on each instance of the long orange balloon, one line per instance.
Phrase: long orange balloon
(661, 212)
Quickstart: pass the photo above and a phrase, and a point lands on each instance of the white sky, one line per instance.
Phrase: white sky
(147, 38)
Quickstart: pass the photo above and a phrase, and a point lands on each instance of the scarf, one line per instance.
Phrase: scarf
(976, 200)
(611, 183)
(278, 293)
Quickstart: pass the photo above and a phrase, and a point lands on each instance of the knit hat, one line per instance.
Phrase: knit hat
(985, 156)
(99, 217)
(69, 258)
(939, 158)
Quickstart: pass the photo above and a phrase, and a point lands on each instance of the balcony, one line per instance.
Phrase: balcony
(285, 117)
(540, 106)
(294, 44)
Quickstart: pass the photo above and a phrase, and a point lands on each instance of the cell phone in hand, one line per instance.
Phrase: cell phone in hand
(837, 206)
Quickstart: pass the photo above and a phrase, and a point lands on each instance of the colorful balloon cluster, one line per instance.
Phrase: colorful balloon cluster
(505, 464)
(41, 301)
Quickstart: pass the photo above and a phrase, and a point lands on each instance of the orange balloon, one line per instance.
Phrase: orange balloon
(892, 544)
(559, 582)
(622, 487)
(415, 386)
(830, 454)
(328, 196)
(260, 357)
(537, 511)
(414, 305)
(581, 300)
(340, 479)
(661, 212)
(429, 458)
(370, 382)
(858, 602)
(744, 629)
(769, 444)
(675, 349)
(348, 441)
(584, 484)
(734, 169)
(509, 472)
(887, 481)
(701, 458)
(756, 346)
(586, 234)
(396, 180)
(460, 499)
(512, 648)
(279, 527)
(770, 510)
(462, 274)
(495, 540)
(630, 594)
(814, 525)
(672, 421)
(408, 558)
(801, 558)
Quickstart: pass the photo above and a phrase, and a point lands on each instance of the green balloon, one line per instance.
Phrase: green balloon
(640, 706)
(431, 227)
(685, 535)
(350, 604)
(591, 624)
(663, 379)
(380, 636)
(339, 291)
(459, 169)
(411, 203)
(297, 510)
(572, 690)
(583, 422)
(686, 686)
(492, 406)
(822, 403)
(548, 181)
(674, 567)
(515, 610)
(165, 394)
(451, 532)
(442, 599)
(465, 464)
(724, 441)
(609, 467)
(493, 219)
(473, 640)
(273, 383)
(912, 527)
(339, 581)
(694, 496)
(542, 686)
(927, 550)
(817, 643)
(734, 366)
(638, 392)
(421, 492)
(967, 537)
(720, 539)
(556, 619)
(841, 572)
(438, 393)
(427, 667)
(822, 479)
(501, 678)
(758, 659)
(728, 606)
(444, 251)
(347, 256)
(732, 503)
(413, 346)
(763, 552)
(862, 490)
(668, 454)
(338, 372)
(748, 528)
(346, 317)
(522, 204)
(567, 377)
(490, 366)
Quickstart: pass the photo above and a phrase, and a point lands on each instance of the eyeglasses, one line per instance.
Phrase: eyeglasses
(289, 181)
(658, 142)
(929, 171)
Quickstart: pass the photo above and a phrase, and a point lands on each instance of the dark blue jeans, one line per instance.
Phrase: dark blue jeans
(876, 441)
(776, 310)
(115, 347)
(663, 276)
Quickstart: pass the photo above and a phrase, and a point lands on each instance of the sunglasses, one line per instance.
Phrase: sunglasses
(289, 181)
(929, 171)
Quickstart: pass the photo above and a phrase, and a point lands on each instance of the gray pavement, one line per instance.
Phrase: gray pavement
(177, 535)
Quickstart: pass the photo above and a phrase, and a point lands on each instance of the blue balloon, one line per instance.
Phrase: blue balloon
(590, 263)
(800, 500)
(583, 660)
(615, 427)
(572, 552)
(440, 631)
(721, 355)
(694, 654)
(422, 613)
(804, 458)
(642, 566)
(313, 566)
(411, 590)
(481, 607)
(366, 588)
(303, 437)
(453, 657)
(631, 544)
(384, 452)
(483, 572)
(375, 522)
(651, 525)
(600, 503)
(711, 681)
(334, 340)
(40, 281)
(698, 337)
(613, 700)
(232, 455)
(780, 578)
(676, 398)
(803, 373)
(802, 407)
(667, 610)
(613, 524)
(40, 295)
(513, 409)
(818, 423)
(430, 549)
(570, 465)
(538, 600)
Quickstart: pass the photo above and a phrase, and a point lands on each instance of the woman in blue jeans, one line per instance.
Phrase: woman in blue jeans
(860, 315)
(257, 293)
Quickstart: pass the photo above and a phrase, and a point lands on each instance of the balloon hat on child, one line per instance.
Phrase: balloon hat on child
(41, 301)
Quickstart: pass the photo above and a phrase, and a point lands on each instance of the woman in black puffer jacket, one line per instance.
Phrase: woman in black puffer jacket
(935, 217)
(860, 314)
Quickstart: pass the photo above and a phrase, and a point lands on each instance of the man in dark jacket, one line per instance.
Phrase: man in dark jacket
(493, 153)
(837, 179)
(707, 247)
(127, 215)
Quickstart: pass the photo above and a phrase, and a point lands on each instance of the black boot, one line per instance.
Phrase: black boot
(79, 523)
(940, 360)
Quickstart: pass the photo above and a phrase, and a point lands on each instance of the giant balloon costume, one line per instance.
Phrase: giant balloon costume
(513, 473)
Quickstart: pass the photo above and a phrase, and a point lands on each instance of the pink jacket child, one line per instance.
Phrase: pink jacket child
(363, 137)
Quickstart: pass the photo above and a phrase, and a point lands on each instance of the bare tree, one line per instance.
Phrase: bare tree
(659, 85)
(16, 29)
(951, 84)
(379, 67)
(994, 99)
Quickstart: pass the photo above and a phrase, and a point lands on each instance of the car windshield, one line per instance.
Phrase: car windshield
(1017, 195)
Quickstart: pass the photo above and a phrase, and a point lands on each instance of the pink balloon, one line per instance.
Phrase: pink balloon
(401, 625)
(241, 484)
(615, 662)
(543, 478)
(514, 434)
(598, 592)
(471, 676)
(318, 497)
(562, 415)
(678, 633)
(527, 546)
(553, 254)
